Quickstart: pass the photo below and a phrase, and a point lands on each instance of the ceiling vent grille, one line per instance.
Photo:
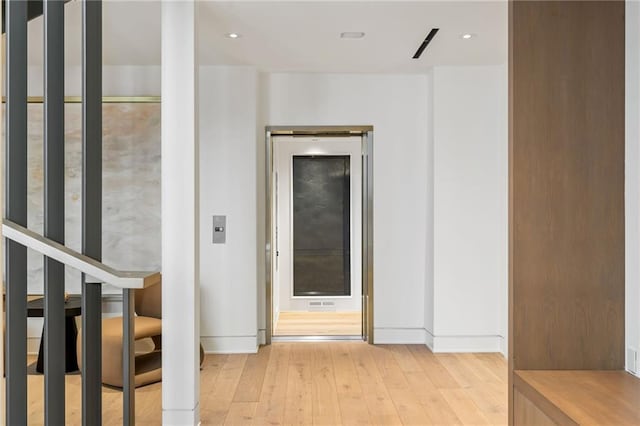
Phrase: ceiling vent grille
(426, 42)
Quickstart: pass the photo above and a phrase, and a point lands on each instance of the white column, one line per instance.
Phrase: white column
(180, 192)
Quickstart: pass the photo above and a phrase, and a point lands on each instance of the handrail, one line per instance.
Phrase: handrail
(91, 267)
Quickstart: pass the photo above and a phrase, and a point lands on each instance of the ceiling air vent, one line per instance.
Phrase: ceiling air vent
(426, 42)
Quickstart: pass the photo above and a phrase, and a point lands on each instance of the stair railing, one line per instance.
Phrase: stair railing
(51, 244)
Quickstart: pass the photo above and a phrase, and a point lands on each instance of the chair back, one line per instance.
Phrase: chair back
(148, 301)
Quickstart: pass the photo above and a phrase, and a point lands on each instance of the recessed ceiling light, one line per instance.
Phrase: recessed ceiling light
(232, 35)
(467, 36)
(352, 34)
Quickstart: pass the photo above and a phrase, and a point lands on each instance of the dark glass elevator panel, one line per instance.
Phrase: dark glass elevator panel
(321, 226)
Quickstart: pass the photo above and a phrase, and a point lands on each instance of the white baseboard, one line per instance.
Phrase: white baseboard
(398, 336)
(461, 344)
(229, 344)
(262, 337)
(177, 417)
(636, 374)
(429, 339)
(504, 348)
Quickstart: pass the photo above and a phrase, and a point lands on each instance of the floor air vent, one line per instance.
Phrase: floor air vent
(318, 306)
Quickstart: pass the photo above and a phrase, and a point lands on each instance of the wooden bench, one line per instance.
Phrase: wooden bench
(576, 397)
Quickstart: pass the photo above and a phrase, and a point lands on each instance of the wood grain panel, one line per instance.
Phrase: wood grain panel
(541, 402)
(527, 414)
(567, 184)
(583, 397)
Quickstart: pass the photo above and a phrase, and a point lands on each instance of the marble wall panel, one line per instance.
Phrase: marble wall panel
(131, 188)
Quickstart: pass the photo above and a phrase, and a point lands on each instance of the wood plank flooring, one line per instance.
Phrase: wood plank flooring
(324, 383)
(302, 323)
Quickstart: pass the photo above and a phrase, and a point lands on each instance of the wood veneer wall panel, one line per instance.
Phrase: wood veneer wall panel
(567, 184)
(527, 414)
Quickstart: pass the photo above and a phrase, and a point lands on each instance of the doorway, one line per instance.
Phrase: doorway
(319, 233)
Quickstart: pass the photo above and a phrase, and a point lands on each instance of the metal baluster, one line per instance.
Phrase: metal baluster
(128, 358)
(54, 313)
(92, 208)
(16, 211)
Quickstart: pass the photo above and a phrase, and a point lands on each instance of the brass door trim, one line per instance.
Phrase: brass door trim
(367, 215)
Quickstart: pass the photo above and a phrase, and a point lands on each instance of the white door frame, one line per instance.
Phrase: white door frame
(366, 134)
(285, 149)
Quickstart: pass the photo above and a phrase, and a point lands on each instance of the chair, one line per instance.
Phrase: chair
(147, 324)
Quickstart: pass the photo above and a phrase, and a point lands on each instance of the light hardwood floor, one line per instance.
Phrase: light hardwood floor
(318, 324)
(325, 383)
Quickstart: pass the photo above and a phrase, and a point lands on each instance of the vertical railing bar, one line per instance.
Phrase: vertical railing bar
(91, 353)
(92, 208)
(363, 263)
(16, 211)
(54, 313)
(128, 358)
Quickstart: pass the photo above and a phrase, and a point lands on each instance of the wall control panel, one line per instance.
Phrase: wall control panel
(219, 229)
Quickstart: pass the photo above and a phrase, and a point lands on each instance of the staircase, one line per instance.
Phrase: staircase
(17, 13)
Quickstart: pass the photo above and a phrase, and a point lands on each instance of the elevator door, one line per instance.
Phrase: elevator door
(321, 225)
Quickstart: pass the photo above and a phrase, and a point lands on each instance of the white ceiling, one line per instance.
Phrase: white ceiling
(303, 36)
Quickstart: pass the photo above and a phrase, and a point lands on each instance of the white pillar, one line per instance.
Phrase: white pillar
(180, 192)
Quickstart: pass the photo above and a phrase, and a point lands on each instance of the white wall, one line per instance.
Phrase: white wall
(503, 297)
(428, 266)
(261, 225)
(228, 272)
(395, 105)
(470, 208)
(632, 179)
(450, 108)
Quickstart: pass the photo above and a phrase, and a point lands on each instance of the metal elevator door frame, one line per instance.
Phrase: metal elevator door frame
(366, 134)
